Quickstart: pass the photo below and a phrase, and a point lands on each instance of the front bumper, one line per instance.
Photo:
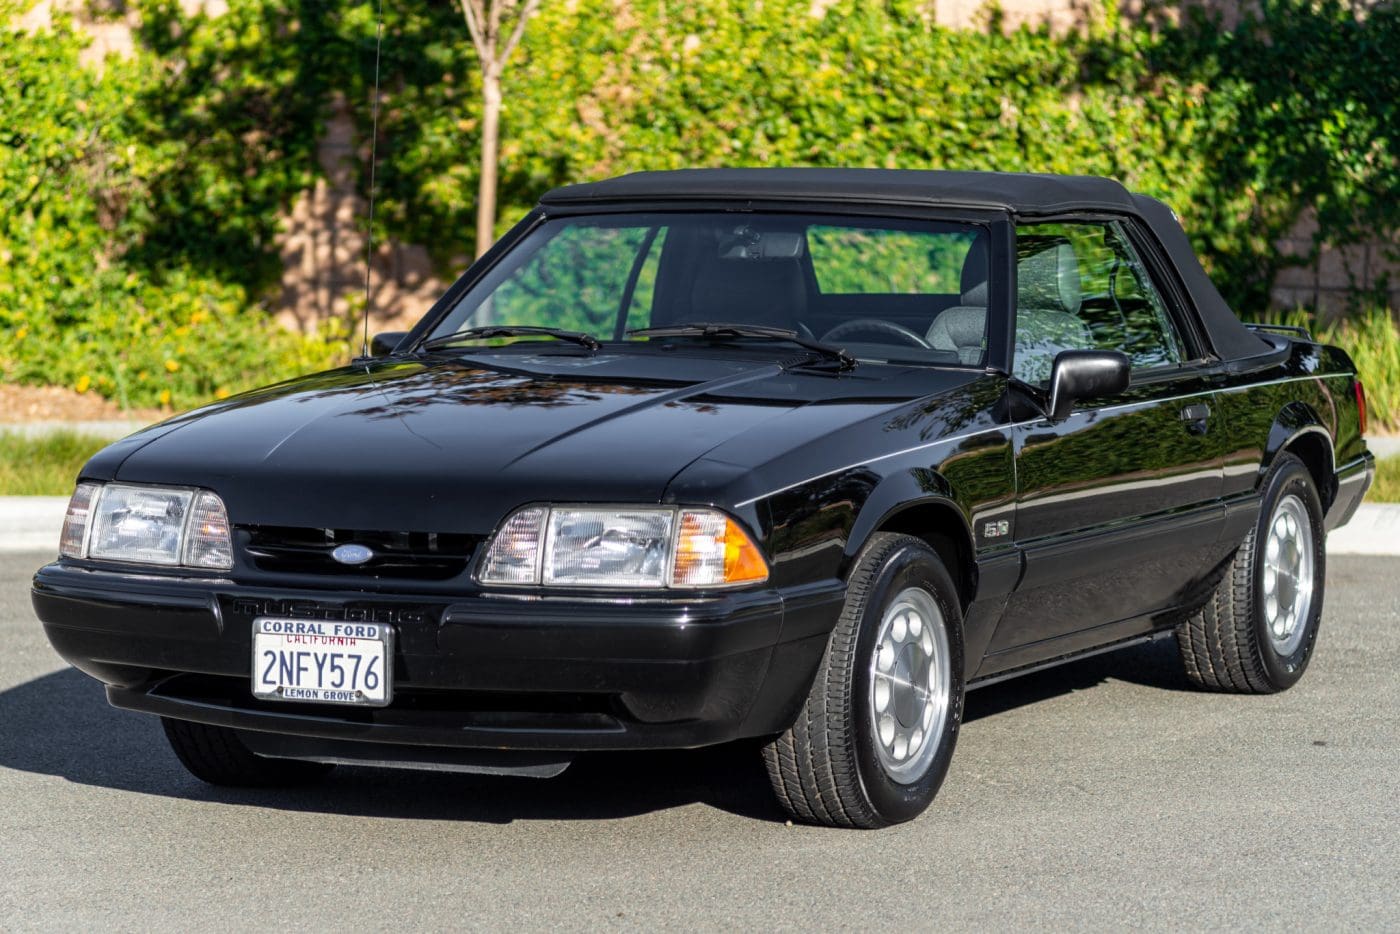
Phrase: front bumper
(482, 672)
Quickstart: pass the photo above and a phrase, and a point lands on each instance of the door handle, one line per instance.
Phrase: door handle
(1195, 417)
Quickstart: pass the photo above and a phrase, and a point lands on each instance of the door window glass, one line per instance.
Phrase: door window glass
(1082, 286)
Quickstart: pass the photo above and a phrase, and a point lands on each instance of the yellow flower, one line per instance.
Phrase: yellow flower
(221, 393)
(172, 366)
(21, 334)
(84, 382)
(165, 397)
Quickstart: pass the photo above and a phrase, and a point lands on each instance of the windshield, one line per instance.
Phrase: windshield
(884, 289)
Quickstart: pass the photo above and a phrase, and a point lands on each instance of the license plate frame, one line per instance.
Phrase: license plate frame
(271, 633)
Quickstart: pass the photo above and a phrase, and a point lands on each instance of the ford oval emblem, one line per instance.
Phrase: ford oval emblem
(352, 554)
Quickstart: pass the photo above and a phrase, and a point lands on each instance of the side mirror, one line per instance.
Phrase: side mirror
(381, 345)
(1085, 374)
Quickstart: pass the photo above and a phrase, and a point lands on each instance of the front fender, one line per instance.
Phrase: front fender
(901, 493)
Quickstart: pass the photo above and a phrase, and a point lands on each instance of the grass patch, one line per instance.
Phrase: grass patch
(46, 465)
(1373, 341)
(1386, 489)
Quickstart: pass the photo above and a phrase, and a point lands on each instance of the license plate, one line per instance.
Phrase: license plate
(322, 662)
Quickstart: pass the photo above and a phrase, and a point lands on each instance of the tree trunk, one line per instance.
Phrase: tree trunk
(490, 157)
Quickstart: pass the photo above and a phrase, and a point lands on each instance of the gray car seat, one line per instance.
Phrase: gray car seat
(1047, 306)
(757, 281)
(963, 327)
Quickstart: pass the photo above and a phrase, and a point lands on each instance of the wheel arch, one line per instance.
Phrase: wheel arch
(1299, 431)
(934, 517)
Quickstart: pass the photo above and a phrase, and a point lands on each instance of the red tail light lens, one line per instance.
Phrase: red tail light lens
(1360, 405)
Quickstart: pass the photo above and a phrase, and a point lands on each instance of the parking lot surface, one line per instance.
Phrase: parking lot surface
(1102, 795)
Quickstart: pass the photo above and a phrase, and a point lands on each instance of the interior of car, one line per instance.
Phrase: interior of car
(886, 289)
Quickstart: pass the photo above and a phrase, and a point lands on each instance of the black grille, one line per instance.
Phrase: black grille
(413, 555)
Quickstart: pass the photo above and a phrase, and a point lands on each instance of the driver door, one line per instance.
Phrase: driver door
(1117, 504)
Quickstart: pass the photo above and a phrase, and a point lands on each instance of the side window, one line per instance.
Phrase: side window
(1081, 286)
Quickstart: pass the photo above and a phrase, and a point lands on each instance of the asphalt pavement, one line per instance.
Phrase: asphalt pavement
(1104, 795)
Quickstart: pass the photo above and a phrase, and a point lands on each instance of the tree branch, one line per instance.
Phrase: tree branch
(471, 10)
(526, 12)
(493, 28)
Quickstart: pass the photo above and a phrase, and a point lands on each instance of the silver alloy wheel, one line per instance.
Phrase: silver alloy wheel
(910, 684)
(1288, 575)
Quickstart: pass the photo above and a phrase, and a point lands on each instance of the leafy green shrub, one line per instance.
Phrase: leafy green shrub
(1242, 130)
(137, 240)
(127, 266)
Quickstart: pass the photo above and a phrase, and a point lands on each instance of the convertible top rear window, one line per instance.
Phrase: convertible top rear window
(876, 286)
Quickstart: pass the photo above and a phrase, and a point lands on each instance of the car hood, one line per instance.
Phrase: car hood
(453, 444)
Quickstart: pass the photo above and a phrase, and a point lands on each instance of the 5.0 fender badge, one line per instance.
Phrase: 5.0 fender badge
(352, 554)
(996, 529)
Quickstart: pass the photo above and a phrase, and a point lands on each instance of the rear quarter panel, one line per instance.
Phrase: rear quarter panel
(1266, 411)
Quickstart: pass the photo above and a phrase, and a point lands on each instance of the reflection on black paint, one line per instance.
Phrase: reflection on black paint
(816, 518)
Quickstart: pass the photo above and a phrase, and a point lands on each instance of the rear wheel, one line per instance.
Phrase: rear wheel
(1256, 634)
(874, 739)
(216, 755)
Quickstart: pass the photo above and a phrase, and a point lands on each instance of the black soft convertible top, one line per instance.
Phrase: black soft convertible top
(1023, 194)
(1020, 192)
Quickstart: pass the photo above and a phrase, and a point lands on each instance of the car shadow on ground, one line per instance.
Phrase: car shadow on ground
(1153, 664)
(60, 725)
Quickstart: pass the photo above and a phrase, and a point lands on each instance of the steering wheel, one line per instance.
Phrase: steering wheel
(885, 330)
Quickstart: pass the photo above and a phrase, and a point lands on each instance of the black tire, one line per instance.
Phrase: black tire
(825, 769)
(1226, 645)
(216, 755)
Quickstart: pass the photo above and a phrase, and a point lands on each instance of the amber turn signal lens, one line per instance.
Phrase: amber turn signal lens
(712, 550)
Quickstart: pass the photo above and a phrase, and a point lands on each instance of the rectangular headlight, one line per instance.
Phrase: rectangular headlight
(606, 547)
(148, 525)
(642, 547)
(138, 523)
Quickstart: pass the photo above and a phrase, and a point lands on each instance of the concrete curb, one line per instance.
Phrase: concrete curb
(109, 430)
(32, 523)
(1384, 446)
(1374, 530)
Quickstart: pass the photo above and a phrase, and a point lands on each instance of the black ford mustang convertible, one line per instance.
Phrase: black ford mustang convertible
(793, 456)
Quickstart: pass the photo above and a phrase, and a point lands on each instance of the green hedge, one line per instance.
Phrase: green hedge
(140, 208)
(137, 244)
(1240, 130)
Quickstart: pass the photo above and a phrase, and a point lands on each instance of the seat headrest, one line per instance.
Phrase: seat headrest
(974, 270)
(770, 292)
(977, 295)
(1047, 274)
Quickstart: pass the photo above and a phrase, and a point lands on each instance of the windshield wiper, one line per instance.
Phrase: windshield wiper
(720, 331)
(511, 330)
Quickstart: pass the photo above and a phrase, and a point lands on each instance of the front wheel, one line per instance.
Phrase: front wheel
(1256, 634)
(874, 739)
